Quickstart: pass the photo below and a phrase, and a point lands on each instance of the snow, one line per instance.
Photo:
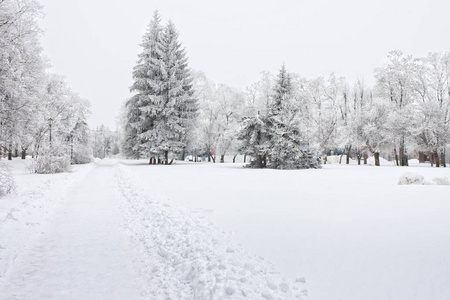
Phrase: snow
(351, 231)
(128, 230)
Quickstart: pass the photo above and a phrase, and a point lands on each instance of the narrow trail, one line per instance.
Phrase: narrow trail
(85, 254)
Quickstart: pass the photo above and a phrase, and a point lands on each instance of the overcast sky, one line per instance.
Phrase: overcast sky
(95, 43)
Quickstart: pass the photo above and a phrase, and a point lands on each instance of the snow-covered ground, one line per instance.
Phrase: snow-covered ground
(97, 233)
(351, 231)
(128, 230)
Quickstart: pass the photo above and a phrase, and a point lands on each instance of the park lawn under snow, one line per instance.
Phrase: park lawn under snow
(351, 231)
(129, 230)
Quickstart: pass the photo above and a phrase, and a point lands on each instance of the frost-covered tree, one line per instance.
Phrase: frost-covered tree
(320, 99)
(21, 71)
(161, 111)
(105, 141)
(220, 110)
(288, 151)
(275, 140)
(396, 84)
(228, 100)
(255, 140)
(432, 111)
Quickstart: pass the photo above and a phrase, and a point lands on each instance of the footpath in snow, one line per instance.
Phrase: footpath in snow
(105, 237)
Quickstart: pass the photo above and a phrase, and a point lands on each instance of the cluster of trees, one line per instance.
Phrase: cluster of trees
(284, 121)
(159, 116)
(405, 112)
(273, 136)
(106, 142)
(36, 106)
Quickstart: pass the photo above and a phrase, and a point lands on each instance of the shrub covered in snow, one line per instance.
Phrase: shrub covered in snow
(414, 178)
(82, 154)
(52, 159)
(6, 180)
(411, 178)
(441, 180)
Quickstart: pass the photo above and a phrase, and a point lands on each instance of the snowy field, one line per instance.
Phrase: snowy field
(127, 230)
(351, 231)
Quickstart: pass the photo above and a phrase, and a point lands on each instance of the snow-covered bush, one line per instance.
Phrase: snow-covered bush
(441, 180)
(6, 180)
(414, 178)
(82, 154)
(53, 159)
(411, 178)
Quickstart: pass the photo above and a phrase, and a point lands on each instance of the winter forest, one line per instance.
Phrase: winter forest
(190, 177)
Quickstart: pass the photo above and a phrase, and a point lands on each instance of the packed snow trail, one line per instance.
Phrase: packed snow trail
(84, 255)
(113, 238)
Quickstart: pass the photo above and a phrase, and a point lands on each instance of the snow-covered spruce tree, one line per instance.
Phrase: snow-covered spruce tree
(287, 150)
(274, 140)
(140, 109)
(159, 114)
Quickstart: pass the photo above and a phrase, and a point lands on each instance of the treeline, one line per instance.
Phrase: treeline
(405, 112)
(39, 113)
(284, 121)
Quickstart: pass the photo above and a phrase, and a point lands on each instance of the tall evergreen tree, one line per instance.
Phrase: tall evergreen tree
(159, 115)
(140, 110)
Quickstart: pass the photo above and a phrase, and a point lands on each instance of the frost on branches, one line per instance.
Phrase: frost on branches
(158, 116)
(274, 140)
(52, 159)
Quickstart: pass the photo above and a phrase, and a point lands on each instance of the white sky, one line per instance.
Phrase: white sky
(95, 43)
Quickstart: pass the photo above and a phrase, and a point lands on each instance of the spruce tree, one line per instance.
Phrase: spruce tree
(160, 113)
(287, 148)
(140, 109)
(275, 140)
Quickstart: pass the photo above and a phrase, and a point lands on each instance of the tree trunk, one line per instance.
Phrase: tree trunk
(340, 159)
(365, 158)
(166, 157)
(347, 159)
(376, 155)
(325, 159)
(222, 158)
(171, 161)
(402, 154)
(358, 158)
(213, 157)
(182, 156)
(245, 158)
(209, 155)
(396, 156)
(24, 153)
(443, 162)
(16, 152)
(10, 155)
(436, 157)
(234, 158)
